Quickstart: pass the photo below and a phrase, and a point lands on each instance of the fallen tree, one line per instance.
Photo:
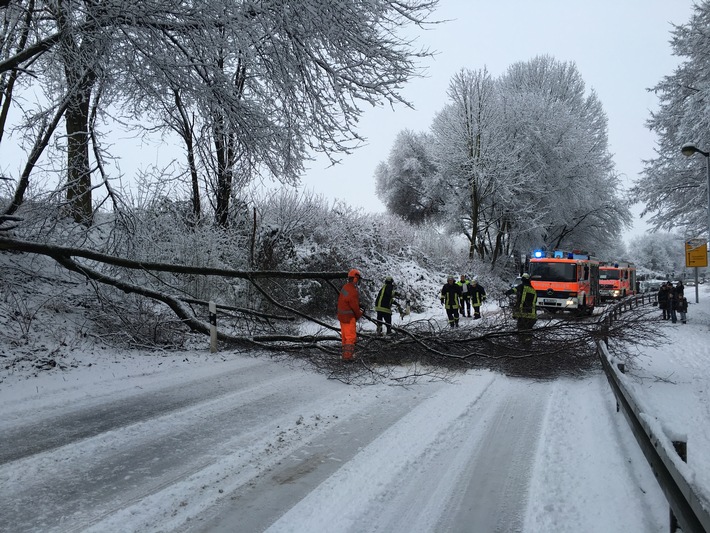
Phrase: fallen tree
(560, 346)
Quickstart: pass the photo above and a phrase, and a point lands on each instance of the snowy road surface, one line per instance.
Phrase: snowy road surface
(252, 444)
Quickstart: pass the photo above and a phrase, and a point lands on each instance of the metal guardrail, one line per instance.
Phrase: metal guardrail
(687, 508)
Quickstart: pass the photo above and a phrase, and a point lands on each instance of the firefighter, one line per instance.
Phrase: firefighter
(465, 285)
(478, 296)
(450, 296)
(348, 314)
(524, 309)
(383, 305)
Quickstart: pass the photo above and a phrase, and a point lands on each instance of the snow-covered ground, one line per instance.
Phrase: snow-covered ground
(190, 441)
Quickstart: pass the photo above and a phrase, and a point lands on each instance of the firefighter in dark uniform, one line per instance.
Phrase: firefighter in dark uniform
(383, 305)
(451, 298)
(525, 309)
(478, 296)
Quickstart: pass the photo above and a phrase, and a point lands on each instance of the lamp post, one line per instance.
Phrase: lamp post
(690, 149)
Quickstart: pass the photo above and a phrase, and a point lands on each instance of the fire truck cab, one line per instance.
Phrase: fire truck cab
(617, 280)
(565, 281)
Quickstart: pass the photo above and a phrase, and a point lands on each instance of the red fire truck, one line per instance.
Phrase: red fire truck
(565, 281)
(617, 280)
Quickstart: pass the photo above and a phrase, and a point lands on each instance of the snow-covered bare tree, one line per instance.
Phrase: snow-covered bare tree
(267, 81)
(468, 134)
(673, 187)
(406, 182)
(662, 253)
(561, 144)
(522, 162)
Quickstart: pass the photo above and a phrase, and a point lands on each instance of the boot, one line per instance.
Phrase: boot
(348, 352)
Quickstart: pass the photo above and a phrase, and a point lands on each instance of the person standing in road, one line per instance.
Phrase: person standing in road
(383, 305)
(525, 309)
(348, 314)
(450, 297)
(478, 296)
(465, 285)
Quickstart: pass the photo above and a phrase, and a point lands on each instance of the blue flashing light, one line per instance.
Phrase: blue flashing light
(538, 253)
(559, 254)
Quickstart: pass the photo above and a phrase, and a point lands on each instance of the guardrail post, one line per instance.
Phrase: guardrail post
(622, 369)
(681, 448)
(213, 326)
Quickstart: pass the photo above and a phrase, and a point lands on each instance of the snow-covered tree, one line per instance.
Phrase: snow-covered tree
(674, 187)
(559, 134)
(406, 182)
(267, 81)
(522, 162)
(661, 253)
(468, 144)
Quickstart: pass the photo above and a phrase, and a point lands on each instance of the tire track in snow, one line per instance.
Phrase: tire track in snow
(582, 431)
(358, 497)
(477, 478)
(19, 440)
(68, 487)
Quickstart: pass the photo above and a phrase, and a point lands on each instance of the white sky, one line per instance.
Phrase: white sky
(621, 48)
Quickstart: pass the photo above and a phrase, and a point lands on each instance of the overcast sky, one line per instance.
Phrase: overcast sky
(620, 47)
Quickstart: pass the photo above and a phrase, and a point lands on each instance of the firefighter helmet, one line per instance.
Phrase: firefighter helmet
(389, 279)
(354, 272)
(525, 276)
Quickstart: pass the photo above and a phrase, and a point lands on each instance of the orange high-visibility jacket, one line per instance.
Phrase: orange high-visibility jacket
(349, 302)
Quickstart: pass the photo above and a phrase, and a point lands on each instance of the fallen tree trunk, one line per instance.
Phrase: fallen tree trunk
(60, 251)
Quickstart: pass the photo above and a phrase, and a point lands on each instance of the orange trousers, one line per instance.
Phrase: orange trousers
(348, 335)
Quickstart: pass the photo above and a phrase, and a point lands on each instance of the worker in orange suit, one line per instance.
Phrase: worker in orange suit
(348, 313)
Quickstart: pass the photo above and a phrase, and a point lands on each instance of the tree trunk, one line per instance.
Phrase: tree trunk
(185, 129)
(224, 174)
(78, 171)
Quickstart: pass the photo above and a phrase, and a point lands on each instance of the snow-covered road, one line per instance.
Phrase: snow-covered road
(253, 444)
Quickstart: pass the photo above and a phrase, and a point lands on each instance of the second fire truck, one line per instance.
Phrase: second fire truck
(565, 281)
(617, 280)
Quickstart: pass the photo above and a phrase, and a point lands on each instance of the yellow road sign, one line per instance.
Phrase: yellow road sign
(696, 253)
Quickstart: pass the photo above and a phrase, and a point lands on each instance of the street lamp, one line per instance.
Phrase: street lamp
(689, 149)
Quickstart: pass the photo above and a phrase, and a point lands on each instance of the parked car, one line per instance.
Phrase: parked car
(651, 285)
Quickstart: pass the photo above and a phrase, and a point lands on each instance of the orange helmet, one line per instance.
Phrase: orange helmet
(354, 272)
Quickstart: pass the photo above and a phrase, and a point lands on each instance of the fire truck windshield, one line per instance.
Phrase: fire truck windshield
(544, 271)
(609, 274)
